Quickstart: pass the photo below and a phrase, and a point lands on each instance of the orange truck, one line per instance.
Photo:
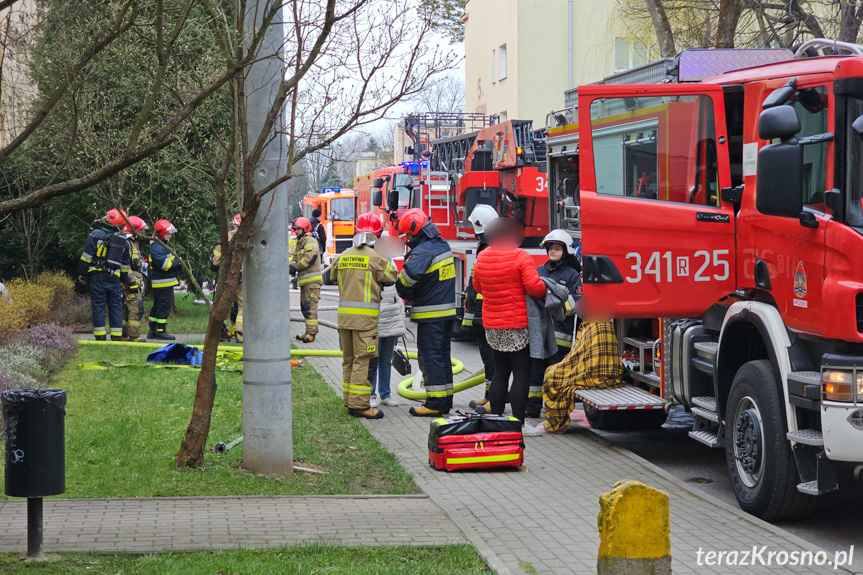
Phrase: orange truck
(719, 211)
(337, 216)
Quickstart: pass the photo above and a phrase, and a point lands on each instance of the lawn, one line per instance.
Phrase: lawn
(308, 560)
(124, 425)
(189, 316)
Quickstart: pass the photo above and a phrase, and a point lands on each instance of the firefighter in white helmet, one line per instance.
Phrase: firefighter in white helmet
(564, 268)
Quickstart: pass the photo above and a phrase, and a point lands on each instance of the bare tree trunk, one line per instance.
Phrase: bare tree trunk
(849, 20)
(662, 27)
(808, 20)
(729, 16)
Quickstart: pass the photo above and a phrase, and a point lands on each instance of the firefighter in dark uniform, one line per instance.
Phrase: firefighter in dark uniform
(163, 278)
(133, 307)
(481, 216)
(564, 268)
(427, 281)
(106, 263)
(361, 274)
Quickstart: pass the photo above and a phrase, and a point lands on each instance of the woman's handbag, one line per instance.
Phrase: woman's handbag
(401, 361)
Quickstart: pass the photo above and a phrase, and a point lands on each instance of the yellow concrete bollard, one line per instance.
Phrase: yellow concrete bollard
(634, 531)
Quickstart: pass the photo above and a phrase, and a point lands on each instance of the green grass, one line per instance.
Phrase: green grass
(314, 559)
(124, 425)
(189, 316)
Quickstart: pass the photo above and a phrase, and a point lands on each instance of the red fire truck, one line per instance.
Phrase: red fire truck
(730, 210)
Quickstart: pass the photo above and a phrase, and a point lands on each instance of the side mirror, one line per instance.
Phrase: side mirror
(379, 183)
(779, 122)
(393, 200)
(377, 198)
(779, 184)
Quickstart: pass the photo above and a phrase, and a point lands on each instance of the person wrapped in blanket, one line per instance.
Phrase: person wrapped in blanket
(592, 363)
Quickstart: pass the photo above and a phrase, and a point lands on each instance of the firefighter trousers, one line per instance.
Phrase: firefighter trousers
(133, 311)
(433, 356)
(537, 374)
(309, 296)
(163, 301)
(106, 294)
(359, 364)
(238, 323)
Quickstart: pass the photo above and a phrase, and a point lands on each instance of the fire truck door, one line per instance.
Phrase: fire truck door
(658, 240)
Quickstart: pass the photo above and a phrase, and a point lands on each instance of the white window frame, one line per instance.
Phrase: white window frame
(501, 59)
(493, 66)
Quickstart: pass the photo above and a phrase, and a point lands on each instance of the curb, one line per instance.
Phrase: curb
(220, 498)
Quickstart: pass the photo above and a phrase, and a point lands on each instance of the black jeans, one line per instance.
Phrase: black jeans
(518, 364)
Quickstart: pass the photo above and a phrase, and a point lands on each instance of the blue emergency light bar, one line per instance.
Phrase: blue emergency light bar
(413, 168)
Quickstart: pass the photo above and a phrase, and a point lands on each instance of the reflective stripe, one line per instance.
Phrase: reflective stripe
(86, 257)
(562, 335)
(439, 265)
(116, 331)
(478, 295)
(484, 458)
(166, 265)
(99, 331)
(311, 322)
(157, 320)
(564, 343)
(166, 283)
(406, 279)
(439, 259)
(359, 304)
(308, 278)
(429, 311)
(534, 394)
(357, 389)
(354, 311)
(438, 393)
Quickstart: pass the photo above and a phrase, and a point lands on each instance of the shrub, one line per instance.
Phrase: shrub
(57, 340)
(12, 319)
(72, 310)
(16, 380)
(27, 359)
(32, 299)
(60, 284)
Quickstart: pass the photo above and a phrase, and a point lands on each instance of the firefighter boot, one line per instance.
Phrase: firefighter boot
(370, 413)
(423, 411)
(307, 338)
(154, 329)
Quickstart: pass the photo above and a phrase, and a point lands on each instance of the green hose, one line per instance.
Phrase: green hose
(457, 365)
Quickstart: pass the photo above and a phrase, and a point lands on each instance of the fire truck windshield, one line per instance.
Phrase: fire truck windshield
(854, 166)
(402, 184)
(342, 210)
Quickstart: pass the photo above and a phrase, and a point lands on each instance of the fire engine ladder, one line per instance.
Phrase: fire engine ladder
(438, 187)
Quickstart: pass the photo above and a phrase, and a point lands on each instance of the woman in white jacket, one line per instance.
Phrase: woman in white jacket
(391, 326)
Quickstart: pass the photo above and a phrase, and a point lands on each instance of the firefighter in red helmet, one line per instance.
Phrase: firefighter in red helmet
(361, 273)
(163, 278)
(427, 281)
(133, 307)
(306, 263)
(105, 264)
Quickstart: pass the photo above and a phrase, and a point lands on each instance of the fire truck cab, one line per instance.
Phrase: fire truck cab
(730, 210)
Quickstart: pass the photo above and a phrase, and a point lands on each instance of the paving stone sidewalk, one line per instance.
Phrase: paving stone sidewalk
(147, 525)
(545, 515)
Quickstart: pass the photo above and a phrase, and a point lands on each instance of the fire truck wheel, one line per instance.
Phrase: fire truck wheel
(759, 458)
(640, 420)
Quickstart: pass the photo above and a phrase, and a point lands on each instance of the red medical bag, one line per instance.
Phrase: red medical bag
(475, 442)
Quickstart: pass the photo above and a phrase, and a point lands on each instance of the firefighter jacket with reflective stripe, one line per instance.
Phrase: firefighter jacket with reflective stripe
(106, 251)
(427, 279)
(361, 274)
(473, 300)
(135, 277)
(564, 273)
(307, 260)
(163, 267)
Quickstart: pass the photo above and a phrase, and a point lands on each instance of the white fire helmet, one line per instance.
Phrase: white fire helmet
(561, 237)
(481, 216)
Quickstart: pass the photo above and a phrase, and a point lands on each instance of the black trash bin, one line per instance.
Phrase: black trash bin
(35, 445)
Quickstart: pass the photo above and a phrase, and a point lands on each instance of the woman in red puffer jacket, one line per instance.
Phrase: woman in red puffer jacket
(503, 274)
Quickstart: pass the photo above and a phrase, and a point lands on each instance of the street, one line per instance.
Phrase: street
(835, 526)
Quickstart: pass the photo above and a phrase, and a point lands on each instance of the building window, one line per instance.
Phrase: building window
(628, 53)
(502, 62)
(493, 66)
(502, 116)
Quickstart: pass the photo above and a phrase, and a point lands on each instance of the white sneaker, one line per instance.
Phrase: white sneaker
(373, 402)
(528, 431)
(389, 402)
